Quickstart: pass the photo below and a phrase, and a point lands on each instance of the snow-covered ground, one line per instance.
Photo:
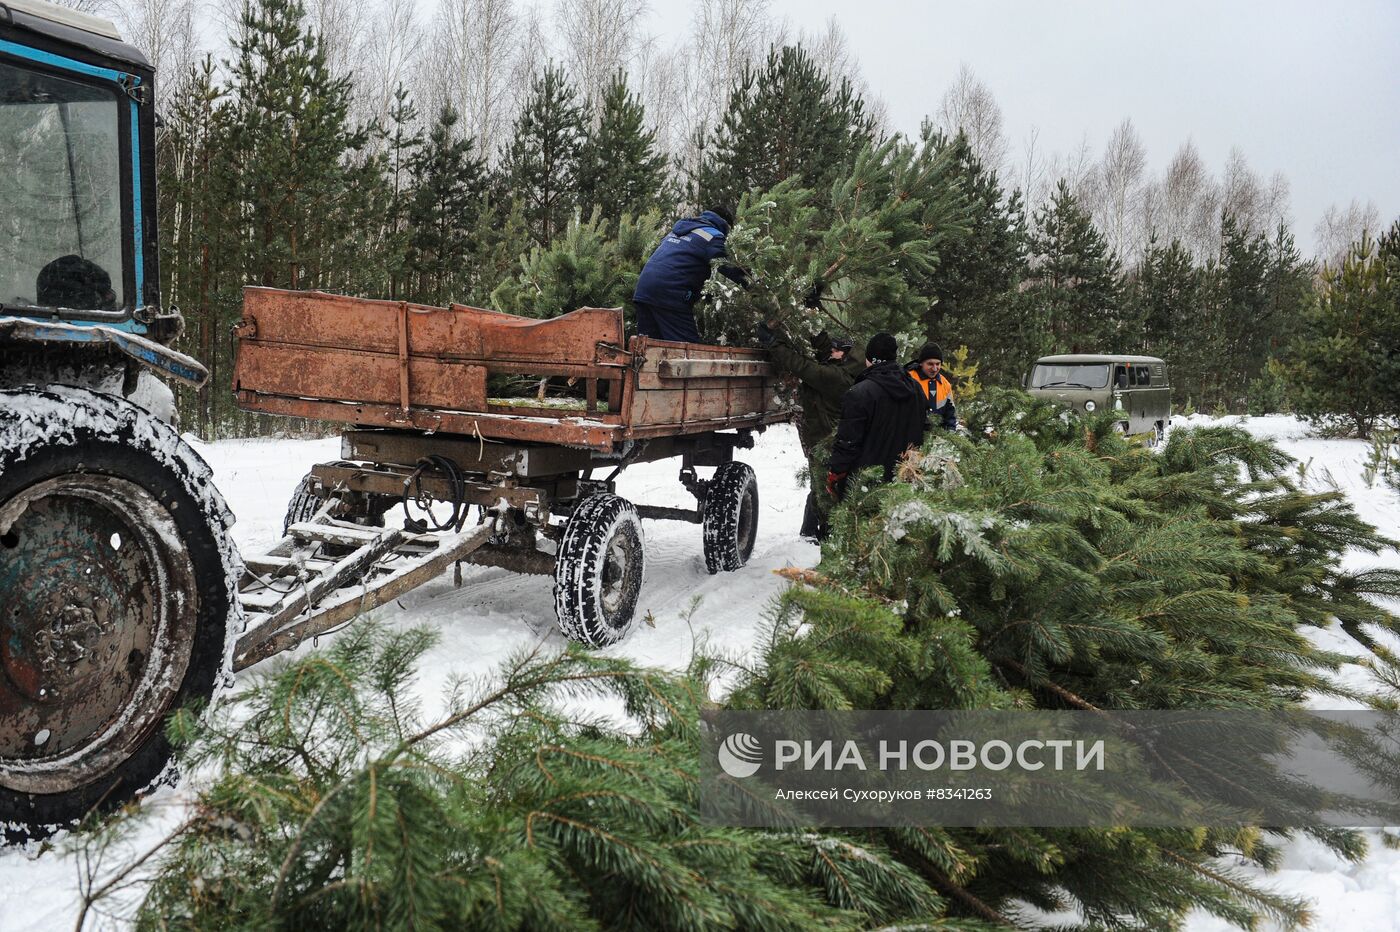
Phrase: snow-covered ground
(496, 612)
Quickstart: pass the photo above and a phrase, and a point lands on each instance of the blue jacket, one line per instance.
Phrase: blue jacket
(676, 271)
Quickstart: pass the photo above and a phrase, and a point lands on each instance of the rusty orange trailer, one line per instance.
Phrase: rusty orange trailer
(402, 365)
(435, 419)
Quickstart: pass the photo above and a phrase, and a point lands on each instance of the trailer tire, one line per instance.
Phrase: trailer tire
(598, 571)
(730, 517)
(140, 615)
(304, 504)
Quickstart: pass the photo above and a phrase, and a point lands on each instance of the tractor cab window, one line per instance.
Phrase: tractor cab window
(60, 193)
(1069, 375)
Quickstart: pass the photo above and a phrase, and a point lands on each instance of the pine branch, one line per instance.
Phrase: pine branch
(964, 896)
(1071, 698)
(93, 896)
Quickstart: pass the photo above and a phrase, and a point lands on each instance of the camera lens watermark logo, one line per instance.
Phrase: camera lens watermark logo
(740, 755)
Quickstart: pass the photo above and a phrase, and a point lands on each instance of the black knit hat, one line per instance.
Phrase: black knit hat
(881, 348)
(931, 351)
(74, 282)
(723, 212)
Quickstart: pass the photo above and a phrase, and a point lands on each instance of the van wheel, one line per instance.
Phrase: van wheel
(1159, 433)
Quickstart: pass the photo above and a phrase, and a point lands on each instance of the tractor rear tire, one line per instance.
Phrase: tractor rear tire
(118, 602)
(730, 517)
(598, 570)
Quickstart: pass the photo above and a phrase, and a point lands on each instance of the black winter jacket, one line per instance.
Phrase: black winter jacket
(881, 416)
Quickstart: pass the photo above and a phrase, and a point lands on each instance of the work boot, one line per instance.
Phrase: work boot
(813, 528)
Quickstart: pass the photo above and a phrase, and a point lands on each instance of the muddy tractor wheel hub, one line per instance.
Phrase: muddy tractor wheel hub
(97, 609)
(72, 635)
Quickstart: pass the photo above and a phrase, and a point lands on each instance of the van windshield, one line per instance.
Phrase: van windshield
(1070, 375)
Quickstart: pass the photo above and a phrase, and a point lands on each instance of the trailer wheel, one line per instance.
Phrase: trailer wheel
(305, 502)
(118, 598)
(598, 571)
(730, 519)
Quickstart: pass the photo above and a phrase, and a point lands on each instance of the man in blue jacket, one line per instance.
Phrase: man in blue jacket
(670, 282)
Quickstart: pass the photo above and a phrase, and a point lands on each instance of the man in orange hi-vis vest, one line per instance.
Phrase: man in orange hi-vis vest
(927, 370)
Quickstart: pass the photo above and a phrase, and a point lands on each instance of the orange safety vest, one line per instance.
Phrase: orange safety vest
(941, 392)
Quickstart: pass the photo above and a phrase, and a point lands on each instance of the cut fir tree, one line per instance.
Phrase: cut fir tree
(1054, 565)
(864, 245)
(1049, 565)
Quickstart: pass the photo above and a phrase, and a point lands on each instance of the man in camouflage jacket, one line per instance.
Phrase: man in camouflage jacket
(824, 379)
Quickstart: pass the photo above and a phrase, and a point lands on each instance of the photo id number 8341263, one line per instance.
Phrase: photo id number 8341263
(959, 792)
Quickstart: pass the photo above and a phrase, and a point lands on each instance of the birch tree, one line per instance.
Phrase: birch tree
(164, 30)
(1340, 227)
(831, 49)
(727, 37)
(473, 66)
(970, 108)
(339, 24)
(659, 77)
(598, 39)
(386, 58)
(1120, 178)
(1245, 197)
(1185, 207)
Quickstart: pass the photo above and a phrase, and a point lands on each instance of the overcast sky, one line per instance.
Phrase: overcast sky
(1308, 89)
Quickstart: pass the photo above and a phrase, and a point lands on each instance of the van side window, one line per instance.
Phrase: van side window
(1142, 375)
(1120, 376)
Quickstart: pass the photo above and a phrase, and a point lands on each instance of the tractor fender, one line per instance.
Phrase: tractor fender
(152, 355)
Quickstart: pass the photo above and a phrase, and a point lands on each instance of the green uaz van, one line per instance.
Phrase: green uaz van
(1134, 386)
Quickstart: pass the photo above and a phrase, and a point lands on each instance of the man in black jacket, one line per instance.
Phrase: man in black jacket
(882, 416)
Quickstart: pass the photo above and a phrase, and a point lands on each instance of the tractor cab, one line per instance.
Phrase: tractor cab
(78, 248)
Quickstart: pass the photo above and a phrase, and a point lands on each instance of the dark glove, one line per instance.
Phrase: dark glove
(834, 479)
(814, 297)
(765, 334)
(821, 345)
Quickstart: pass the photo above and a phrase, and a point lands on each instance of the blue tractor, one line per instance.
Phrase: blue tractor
(117, 575)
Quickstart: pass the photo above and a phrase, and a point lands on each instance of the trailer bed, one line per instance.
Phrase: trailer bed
(410, 366)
